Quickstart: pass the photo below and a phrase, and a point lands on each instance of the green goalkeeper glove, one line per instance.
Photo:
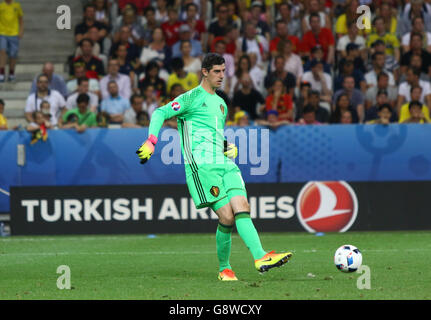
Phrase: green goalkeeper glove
(230, 150)
(146, 150)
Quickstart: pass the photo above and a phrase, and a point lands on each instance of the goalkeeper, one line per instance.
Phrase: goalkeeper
(212, 178)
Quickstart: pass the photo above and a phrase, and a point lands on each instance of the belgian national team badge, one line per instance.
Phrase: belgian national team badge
(215, 191)
(222, 109)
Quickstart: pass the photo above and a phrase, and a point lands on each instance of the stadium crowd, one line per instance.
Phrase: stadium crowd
(287, 62)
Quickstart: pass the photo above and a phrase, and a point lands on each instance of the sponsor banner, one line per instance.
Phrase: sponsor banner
(325, 206)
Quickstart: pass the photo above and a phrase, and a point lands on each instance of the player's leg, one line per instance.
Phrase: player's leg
(224, 238)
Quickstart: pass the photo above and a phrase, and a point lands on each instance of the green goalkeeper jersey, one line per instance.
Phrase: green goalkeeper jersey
(201, 119)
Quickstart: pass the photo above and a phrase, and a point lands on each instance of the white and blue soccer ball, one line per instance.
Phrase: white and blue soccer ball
(348, 258)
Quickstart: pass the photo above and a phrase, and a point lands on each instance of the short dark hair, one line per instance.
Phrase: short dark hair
(86, 40)
(313, 15)
(134, 96)
(148, 9)
(2, 102)
(177, 63)
(415, 104)
(212, 59)
(382, 74)
(83, 97)
(385, 106)
(308, 109)
(415, 87)
(82, 79)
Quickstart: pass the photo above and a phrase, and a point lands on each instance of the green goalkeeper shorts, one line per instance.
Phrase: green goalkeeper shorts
(214, 185)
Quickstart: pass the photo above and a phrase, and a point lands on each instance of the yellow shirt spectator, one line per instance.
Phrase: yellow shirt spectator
(390, 40)
(9, 18)
(342, 29)
(405, 113)
(188, 82)
(3, 122)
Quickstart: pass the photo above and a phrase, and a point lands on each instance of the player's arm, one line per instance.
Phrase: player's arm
(174, 108)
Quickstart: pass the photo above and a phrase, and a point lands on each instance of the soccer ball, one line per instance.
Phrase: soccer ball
(348, 258)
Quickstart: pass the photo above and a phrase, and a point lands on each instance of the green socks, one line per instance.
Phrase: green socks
(248, 234)
(223, 242)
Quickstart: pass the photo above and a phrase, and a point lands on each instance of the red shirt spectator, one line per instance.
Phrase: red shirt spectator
(321, 36)
(280, 101)
(139, 4)
(197, 26)
(296, 44)
(171, 27)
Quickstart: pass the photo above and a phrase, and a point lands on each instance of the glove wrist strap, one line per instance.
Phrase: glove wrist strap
(153, 139)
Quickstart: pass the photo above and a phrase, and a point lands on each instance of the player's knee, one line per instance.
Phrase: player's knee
(227, 219)
(240, 204)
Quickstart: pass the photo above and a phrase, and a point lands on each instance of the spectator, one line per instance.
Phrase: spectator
(161, 11)
(79, 72)
(350, 15)
(378, 59)
(83, 88)
(241, 119)
(293, 62)
(123, 81)
(102, 14)
(132, 115)
(11, 31)
(412, 10)
(391, 64)
(45, 108)
(38, 127)
(197, 26)
(131, 19)
(319, 80)
(343, 104)
(151, 102)
(188, 80)
(54, 98)
(372, 113)
(93, 65)
(257, 73)
(185, 34)
(280, 101)
(355, 97)
(301, 98)
(152, 77)
(282, 34)
(413, 80)
(417, 27)
(56, 81)
(150, 24)
(352, 53)
(256, 12)
(251, 42)
(389, 17)
(243, 66)
(3, 120)
(317, 54)
(319, 35)
(157, 50)
(415, 94)
(416, 114)
(80, 118)
(390, 40)
(124, 38)
(114, 105)
(320, 113)
(384, 115)
(416, 40)
(272, 120)
(128, 68)
(416, 63)
(248, 98)
(230, 39)
(191, 64)
(171, 28)
(308, 116)
(288, 78)
(382, 85)
(291, 21)
(352, 36)
(218, 28)
(346, 117)
(347, 68)
(314, 8)
(93, 35)
(89, 20)
(220, 48)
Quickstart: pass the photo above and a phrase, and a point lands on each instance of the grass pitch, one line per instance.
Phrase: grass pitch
(185, 267)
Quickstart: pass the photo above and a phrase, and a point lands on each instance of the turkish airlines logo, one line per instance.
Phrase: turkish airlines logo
(329, 206)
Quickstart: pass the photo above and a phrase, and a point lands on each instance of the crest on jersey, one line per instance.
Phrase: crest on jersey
(222, 109)
(215, 191)
(175, 106)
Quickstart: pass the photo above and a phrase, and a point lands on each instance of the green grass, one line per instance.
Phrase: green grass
(185, 267)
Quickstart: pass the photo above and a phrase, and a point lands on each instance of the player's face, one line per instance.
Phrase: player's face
(216, 75)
